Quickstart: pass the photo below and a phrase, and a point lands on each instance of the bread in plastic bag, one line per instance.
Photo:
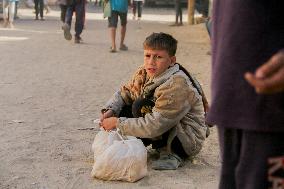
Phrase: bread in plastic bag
(124, 160)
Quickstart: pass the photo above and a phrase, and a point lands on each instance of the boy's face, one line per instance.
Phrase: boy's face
(157, 61)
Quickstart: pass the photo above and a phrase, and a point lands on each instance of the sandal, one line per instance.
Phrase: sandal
(112, 50)
(123, 47)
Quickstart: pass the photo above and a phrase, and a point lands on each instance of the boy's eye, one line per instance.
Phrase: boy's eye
(147, 55)
(158, 57)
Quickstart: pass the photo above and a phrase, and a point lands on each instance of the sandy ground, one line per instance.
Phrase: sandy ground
(50, 88)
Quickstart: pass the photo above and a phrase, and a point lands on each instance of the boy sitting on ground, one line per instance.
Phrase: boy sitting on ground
(160, 106)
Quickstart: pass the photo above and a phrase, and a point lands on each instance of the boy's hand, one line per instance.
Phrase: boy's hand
(109, 123)
(107, 114)
(269, 78)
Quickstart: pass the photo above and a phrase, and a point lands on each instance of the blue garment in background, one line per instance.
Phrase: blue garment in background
(119, 5)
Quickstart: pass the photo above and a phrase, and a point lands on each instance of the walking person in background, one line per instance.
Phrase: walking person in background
(8, 13)
(178, 10)
(39, 5)
(248, 92)
(119, 8)
(137, 7)
(77, 6)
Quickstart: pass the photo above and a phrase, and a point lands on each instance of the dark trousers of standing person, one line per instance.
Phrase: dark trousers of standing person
(63, 9)
(77, 6)
(39, 8)
(251, 159)
(137, 5)
(178, 11)
(16, 10)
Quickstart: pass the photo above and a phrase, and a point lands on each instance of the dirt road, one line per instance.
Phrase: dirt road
(50, 88)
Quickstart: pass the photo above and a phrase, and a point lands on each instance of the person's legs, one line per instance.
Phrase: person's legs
(134, 9)
(177, 9)
(5, 13)
(41, 5)
(258, 158)
(249, 159)
(68, 20)
(180, 15)
(16, 10)
(123, 32)
(36, 8)
(112, 36)
(69, 14)
(11, 14)
(230, 144)
(139, 7)
(112, 24)
(123, 20)
(79, 24)
(63, 9)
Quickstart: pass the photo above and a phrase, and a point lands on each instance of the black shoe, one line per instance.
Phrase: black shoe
(78, 39)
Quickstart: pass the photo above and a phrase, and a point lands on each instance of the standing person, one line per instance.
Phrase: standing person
(39, 4)
(178, 11)
(8, 13)
(77, 6)
(248, 107)
(118, 8)
(137, 7)
(63, 7)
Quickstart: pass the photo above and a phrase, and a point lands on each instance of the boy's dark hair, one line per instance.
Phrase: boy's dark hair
(161, 41)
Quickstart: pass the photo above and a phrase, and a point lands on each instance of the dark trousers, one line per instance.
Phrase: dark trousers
(63, 9)
(38, 8)
(16, 9)
(178, 11)
(202, 6)
(137, 5)
(79, 8)
(250, 159)
(135, 111)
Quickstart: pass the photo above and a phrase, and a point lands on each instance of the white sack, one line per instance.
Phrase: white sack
(124, 160)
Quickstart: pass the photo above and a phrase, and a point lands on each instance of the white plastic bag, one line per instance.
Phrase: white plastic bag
(124, 160)
(102, 141)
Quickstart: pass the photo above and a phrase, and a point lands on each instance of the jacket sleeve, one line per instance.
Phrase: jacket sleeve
(128, 92)
(174, 99)
(115, 103)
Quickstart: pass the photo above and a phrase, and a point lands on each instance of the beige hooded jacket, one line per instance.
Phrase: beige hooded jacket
(178, 109)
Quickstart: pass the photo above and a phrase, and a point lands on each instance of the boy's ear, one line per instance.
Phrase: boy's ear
(173, 60)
